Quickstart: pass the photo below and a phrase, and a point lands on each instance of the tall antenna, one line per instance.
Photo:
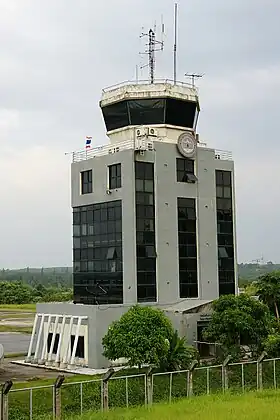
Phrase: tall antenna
(193, 77)
(175, 42)
(152, 42)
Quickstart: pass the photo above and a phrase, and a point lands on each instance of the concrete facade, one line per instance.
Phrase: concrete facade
(167, 189)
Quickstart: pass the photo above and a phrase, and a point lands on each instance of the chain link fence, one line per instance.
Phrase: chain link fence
(62, 399)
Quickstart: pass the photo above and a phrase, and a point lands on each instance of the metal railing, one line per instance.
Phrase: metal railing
(148, 82)
(99, 394)
(223, 155)
(109, 149)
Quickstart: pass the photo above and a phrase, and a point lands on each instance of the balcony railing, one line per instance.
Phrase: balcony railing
(147, 145)
(148, 82)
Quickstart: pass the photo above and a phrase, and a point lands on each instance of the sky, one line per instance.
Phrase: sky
(55, 58)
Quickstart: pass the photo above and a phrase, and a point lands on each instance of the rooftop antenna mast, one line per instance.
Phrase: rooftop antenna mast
(151, 51)
(175, 42)
(193, 77)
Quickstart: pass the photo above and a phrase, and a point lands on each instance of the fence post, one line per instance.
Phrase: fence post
(260, 370)
(190, 378)
(149, 385)
(4, 413)
(57, 396)
(105, 394)
(225, 372)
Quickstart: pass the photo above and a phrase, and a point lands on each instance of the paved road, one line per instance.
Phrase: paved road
(14, 342)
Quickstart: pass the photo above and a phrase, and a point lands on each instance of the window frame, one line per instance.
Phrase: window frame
(115, 181)
(187, 174)
(86, 186)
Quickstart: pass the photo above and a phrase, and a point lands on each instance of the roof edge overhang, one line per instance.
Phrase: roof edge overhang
(153, 91)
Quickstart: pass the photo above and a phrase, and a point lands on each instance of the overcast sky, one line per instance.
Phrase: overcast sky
(57, 55)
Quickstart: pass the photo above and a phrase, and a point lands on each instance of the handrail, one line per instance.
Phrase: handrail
(148, 145)
(147, 82)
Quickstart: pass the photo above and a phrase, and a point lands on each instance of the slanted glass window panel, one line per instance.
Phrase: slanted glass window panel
(190, 178)
(146, 111)
(222, 252)
(116, 115)
(111, 254)
(180, 113)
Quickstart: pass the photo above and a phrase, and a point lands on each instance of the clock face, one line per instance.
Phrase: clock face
(187, 144)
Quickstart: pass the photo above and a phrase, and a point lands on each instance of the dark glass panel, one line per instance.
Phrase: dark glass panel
(115, 115)
(180, 113)
(146, 111)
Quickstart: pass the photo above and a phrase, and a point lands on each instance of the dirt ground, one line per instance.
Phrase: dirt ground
(18, 373)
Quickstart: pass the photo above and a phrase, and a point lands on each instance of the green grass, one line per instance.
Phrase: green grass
(91, 396)
(16, 315)
(14, 328)
(28, 307)
(14, 355)
(251, 406)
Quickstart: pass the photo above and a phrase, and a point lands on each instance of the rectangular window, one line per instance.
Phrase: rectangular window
(86, 182)
(225, 232)
(145, 232)
(185, 170)
(188, 279)
(115, 176)
(97, 244)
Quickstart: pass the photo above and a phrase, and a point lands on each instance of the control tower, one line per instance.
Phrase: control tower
(153, 224)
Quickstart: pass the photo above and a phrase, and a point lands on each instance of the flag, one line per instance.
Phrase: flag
(88, 142)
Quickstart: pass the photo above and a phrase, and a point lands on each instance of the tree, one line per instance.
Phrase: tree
(272, 344)
(15, 292)
(179, 355)
(268, 290)
(142, 336)
(237, 321)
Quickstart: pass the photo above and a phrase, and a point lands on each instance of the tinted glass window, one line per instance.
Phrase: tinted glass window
(188, 279)
(116, 115)
(98, 272)
(225, 232)
(86, 182)
(150, 111)
(115, 176)
(146, 111)
(180, 113)
(145, 232)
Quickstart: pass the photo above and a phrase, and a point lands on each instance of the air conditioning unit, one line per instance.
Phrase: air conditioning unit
(141, 132)
(152, 132)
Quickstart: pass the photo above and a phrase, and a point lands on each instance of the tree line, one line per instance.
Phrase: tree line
(16, 292)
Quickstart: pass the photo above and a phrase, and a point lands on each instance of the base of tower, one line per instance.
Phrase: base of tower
(68, 337)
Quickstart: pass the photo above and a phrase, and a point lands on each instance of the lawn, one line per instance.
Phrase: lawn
(29, 307)
(251, 406)
(15, 328)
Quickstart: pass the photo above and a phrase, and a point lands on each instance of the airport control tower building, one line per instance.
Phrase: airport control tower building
(153, 224)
